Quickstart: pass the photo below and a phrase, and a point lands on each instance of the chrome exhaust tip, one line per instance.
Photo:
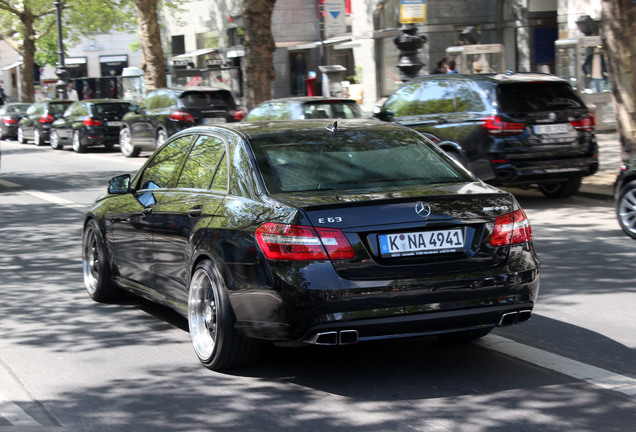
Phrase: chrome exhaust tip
(326, 338)
(343, 337)
(524, 315)
(348, 337)
(508, 319)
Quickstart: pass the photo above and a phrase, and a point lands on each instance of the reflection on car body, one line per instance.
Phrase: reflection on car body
(264, 232)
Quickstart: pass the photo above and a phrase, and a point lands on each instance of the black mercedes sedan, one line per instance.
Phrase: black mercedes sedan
(311, 232)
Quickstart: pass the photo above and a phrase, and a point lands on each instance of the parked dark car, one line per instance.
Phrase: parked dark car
(10, 115)
(37, 121)
(164, 112)
(331, 233)
(309, 107)
(88, 123)
(625, 198)
(508, 129)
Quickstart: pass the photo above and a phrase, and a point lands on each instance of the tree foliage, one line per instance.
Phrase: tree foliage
(619, 28)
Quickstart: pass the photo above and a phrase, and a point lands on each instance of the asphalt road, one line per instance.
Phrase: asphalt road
(69, 364)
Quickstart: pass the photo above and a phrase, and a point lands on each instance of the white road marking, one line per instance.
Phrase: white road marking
(56, 200)
(575, 369)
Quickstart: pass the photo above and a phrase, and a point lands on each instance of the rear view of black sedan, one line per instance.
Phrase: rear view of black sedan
(88, 123)
(319, 232)
(10, 115)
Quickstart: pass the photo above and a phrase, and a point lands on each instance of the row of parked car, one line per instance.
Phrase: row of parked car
(508, 129)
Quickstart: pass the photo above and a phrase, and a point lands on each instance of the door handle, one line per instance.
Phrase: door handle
(195, 211)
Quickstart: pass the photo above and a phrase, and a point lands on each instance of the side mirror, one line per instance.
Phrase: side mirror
(386, 115)
(119, 184)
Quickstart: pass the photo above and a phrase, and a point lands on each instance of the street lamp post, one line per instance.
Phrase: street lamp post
(60, 70)
(409, 42)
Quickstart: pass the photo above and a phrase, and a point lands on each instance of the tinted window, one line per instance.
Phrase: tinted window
(161, 170)
(260, 112)
(344, 110)
(202, 163)
(538, 96)
(350, 160)
(469, 98)
(200, 99)
(423, 97)
(57, 108)
(110, 109)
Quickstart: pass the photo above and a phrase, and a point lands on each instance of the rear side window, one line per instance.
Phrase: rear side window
(336, 109)
(202, 163)
(423, 97)
(110, 109)
(209, 99)
(351, 160)
(161, 170)
(537, 96)
(58, 108)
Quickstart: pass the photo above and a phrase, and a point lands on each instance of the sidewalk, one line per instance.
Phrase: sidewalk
(601, 184)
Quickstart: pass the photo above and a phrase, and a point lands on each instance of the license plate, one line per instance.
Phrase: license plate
(213, 120)
(421, 243)
(547, 129)
(115, 123)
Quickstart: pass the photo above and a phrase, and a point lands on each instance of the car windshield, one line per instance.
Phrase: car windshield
(201, 99)
(350, 160)
(110, 108)
(537, 96)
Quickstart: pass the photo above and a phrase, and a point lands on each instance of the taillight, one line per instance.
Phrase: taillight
(238, 115)
(9, 120)
(585, 124)
(494, 125)
(46, 118)
(511, 228)
(92, 122)
(301, 243)
(181, 116)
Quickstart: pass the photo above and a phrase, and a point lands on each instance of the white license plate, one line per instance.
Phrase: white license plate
(421, 243)
(557, 128)
(115, 123)
(213, 120)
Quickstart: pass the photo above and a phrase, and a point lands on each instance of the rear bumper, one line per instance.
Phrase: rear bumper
(512, 172)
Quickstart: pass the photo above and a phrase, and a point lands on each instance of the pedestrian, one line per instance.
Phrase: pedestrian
(452, 67)
(3, 96)
(71, 93)
(87, 91)
(441, 67)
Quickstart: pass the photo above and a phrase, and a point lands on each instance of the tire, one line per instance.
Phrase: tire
(78, 147)
(125, 144)
(21, 138)
(561, 190)
(161, 138)
(466, 335)
(211, 322)
(96, 267)
(55, 141)
(37, 137)
(626, 209)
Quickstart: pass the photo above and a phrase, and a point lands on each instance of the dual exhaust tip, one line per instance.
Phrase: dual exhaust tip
(349, 337)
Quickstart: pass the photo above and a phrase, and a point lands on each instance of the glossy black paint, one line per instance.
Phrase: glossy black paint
(453, 108)
(10, 115)
(96, 122)
(155, 236)
(36, 123)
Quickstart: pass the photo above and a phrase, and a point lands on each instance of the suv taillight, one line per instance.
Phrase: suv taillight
(9, 120)
(92, 122)
(238, 115)
(284, 242)
(494, 125)
(46, 118)
(585, 124)
(511, 228)
(181, 116)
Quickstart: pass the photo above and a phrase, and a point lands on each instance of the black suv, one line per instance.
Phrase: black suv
(508, 129)
(163, 112)
(90, 122)
(37, 120)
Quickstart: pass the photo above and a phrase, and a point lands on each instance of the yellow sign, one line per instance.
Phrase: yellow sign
(412, 11)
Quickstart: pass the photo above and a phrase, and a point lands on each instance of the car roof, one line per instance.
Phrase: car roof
(304, 99)
(101, 101)
(508, 77)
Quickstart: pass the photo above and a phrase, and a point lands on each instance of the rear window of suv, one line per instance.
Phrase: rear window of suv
(537, 96)
(199, 99)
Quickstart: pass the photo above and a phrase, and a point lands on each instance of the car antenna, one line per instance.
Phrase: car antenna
(333, 128)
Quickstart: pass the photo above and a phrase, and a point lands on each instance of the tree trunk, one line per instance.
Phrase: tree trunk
(259, 51)
(27, 52)
(153, 62)
(619, 28)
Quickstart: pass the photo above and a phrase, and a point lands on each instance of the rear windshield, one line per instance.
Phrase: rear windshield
(209, 99)
(343, 110)
(58, 107)
(17, 108)
(110, 109)
(539, 96)
(351, 160)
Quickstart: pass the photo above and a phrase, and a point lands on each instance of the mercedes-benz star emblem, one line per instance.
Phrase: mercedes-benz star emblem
(422, 209)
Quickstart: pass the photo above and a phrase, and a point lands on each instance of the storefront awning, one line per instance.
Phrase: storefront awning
(316, 44)
(196, 53)
(12, 66)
